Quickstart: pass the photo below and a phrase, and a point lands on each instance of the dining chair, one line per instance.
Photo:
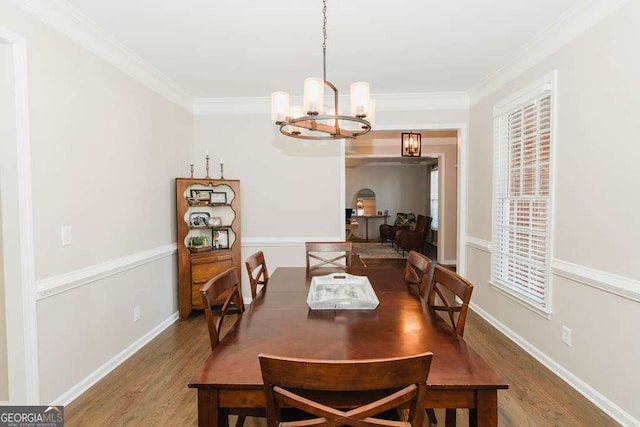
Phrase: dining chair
(258, 273)
(414, 239)
(322, 389)
(388, 231)
(451, 293)
(416, 271)
(225, 283)
(313, 249)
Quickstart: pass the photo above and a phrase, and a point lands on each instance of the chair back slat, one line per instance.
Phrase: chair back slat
(227, 283)
(315, 249)
(449, 292)
(417, 270)
(320, 388)
(257, 271)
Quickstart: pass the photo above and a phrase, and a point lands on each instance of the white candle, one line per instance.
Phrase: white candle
(191, 162)
(207, 153)
(221, 161)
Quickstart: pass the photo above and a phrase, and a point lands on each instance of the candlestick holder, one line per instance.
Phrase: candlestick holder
(221, 171)
(206, 158)
(191, 170)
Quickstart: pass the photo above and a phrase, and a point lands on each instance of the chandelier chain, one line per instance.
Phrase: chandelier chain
(324, 40)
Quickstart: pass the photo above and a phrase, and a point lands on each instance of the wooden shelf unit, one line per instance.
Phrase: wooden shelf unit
(197, 266)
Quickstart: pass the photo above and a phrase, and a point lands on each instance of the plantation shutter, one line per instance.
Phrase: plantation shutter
(521, 247)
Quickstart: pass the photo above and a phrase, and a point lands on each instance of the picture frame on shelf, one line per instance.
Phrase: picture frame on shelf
(199, 219)
(220, 239)
(202, 195)
(215, 221)
(218, 198)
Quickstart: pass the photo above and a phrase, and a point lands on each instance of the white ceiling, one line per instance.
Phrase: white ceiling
(247, 48)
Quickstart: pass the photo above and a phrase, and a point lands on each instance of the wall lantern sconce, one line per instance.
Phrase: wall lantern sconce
(411, 144)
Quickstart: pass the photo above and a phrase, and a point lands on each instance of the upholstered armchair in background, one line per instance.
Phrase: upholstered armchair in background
(403, 222)
(408, 240)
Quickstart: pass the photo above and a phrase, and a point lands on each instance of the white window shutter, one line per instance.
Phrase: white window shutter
(522, 199)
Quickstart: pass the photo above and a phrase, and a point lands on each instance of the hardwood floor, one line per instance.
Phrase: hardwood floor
(150, 388)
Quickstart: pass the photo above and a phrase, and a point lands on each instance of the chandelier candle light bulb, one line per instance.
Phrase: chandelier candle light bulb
(296, 111)
(313, 95)
(359, 99)
(279, 106)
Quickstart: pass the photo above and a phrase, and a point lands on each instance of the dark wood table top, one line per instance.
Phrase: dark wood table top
(280, 322)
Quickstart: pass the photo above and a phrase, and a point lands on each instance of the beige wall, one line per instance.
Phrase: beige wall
(290, 188)
(104, 152)
(595, 207)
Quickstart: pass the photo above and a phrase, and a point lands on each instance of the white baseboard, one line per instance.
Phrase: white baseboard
(4, 403)
(613, 410)
(75, 391)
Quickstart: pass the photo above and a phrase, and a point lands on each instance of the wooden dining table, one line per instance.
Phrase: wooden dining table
(280, 322)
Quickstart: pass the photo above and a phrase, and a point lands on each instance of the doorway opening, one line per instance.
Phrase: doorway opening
(427, 185)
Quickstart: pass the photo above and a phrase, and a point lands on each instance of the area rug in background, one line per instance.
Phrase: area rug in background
(376, 250)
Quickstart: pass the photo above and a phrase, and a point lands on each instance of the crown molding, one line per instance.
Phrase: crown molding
(565, 29)
(384, 102)
(67, 20)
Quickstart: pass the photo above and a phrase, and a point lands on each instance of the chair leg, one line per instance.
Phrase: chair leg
(450, 417)
(473, 419)
(431, 415)
(240, 421)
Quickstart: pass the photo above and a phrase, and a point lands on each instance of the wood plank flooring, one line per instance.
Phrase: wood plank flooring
(150, 388)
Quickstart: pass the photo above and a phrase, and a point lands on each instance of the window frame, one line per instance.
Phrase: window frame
(536, 90)
(435, 215)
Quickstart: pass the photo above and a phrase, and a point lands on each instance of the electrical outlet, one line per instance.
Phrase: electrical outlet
(136, 313)
(566, 336)
(66, 234)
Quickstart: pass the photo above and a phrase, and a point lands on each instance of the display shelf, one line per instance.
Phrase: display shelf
(196, 213)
